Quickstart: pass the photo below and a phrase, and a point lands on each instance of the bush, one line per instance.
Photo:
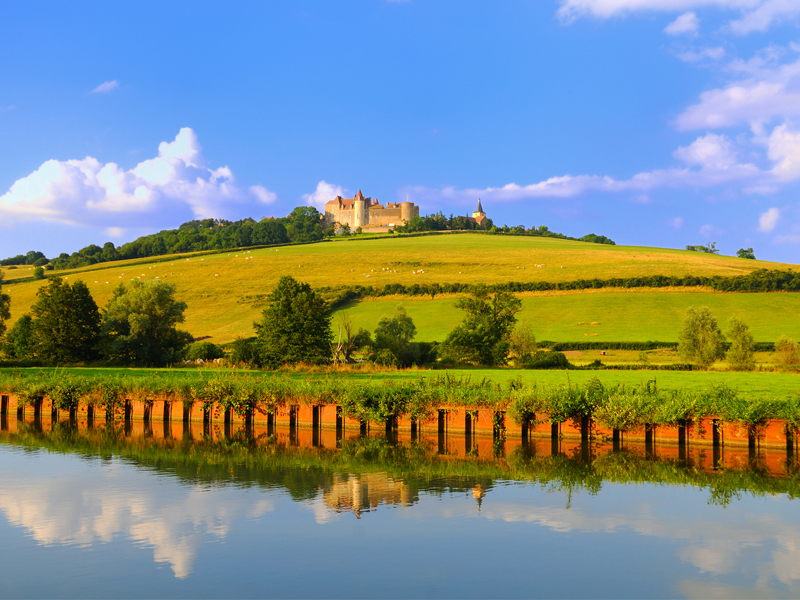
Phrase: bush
(244, 351)
(546, 360)
(788, 351)
(38, 273)
(204, 351)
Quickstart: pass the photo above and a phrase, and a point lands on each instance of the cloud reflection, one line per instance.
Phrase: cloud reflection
(98, 504)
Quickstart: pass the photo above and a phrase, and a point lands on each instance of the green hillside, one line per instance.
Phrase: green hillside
(225, 291)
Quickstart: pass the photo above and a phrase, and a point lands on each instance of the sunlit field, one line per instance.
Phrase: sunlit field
(224, 292)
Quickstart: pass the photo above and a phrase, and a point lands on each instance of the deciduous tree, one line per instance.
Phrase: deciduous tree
(5, 308)
(700, 339)
(483, 336)
(741, 354)
(395, 335)
(296, 326)
(20, 341)
(139, 324)
(66, 322)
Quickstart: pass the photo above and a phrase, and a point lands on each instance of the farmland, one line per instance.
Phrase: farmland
(225, 292)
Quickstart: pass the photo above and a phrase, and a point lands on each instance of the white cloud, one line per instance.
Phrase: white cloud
(106, 86)
(263, 194)
(711, 159)
(686, 23)
(768, 93)
(768, 220)
(677, 222)
(708, 231)
(176, 184)
(784, 149)
(325, 192)
(711, 151)
(715, 53)
(115, 232)
(770, 11)
(757, 15)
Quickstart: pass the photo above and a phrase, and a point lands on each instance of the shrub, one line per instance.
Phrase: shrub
(244, 351)
(788, 351)
(546, 360)
(204, 351)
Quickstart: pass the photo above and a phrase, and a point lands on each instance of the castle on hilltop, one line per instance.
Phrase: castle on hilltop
(368, 213)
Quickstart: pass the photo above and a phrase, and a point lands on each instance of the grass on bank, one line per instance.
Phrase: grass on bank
(624, 401)
(225, 292)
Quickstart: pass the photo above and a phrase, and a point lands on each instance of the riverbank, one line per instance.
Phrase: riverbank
(711, 411)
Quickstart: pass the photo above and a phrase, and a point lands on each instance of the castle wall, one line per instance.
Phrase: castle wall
(363, 215)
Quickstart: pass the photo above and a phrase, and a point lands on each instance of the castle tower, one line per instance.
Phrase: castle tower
(360, 213)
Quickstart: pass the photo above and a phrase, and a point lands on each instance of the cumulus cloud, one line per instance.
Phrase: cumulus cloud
(768, 220)
(325, 192)
(768, 92)
(710, 151)
(686, 23)
(756, 15)
(106, 86)
(177, 184)
(784, 149)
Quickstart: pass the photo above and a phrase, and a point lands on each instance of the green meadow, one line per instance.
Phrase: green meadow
(614, 316)
(225, 291)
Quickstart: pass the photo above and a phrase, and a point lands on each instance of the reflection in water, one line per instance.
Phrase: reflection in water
(359, 494)
(178, 493)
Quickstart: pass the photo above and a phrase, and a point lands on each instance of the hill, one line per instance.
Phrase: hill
(225, 291)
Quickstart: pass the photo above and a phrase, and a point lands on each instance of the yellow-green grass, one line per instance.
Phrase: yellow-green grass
(616, 316)
(765, 384)
(224, 292)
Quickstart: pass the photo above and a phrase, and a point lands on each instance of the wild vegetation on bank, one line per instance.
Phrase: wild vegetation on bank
(613, 405)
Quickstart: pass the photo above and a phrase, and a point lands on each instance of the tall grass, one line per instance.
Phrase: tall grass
(618, 406)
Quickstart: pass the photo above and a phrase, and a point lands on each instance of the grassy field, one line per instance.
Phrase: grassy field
(225, 291)
(619, 316)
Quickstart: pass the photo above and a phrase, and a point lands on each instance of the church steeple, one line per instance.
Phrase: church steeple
(480, 208)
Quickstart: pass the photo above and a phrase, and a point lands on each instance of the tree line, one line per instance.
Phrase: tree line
(701, 341)
(438, 222)
(760, 280)
(65, 326)
(302, 225)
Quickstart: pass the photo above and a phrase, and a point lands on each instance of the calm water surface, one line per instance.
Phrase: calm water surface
(88, 515)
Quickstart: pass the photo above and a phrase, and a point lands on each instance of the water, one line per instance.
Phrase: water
(102, 513)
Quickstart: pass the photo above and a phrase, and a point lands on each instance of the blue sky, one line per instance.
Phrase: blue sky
(654, 122)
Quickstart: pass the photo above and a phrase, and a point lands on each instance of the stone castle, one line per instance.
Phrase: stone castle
(368, 213)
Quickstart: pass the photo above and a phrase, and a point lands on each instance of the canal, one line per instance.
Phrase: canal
(182, 511)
